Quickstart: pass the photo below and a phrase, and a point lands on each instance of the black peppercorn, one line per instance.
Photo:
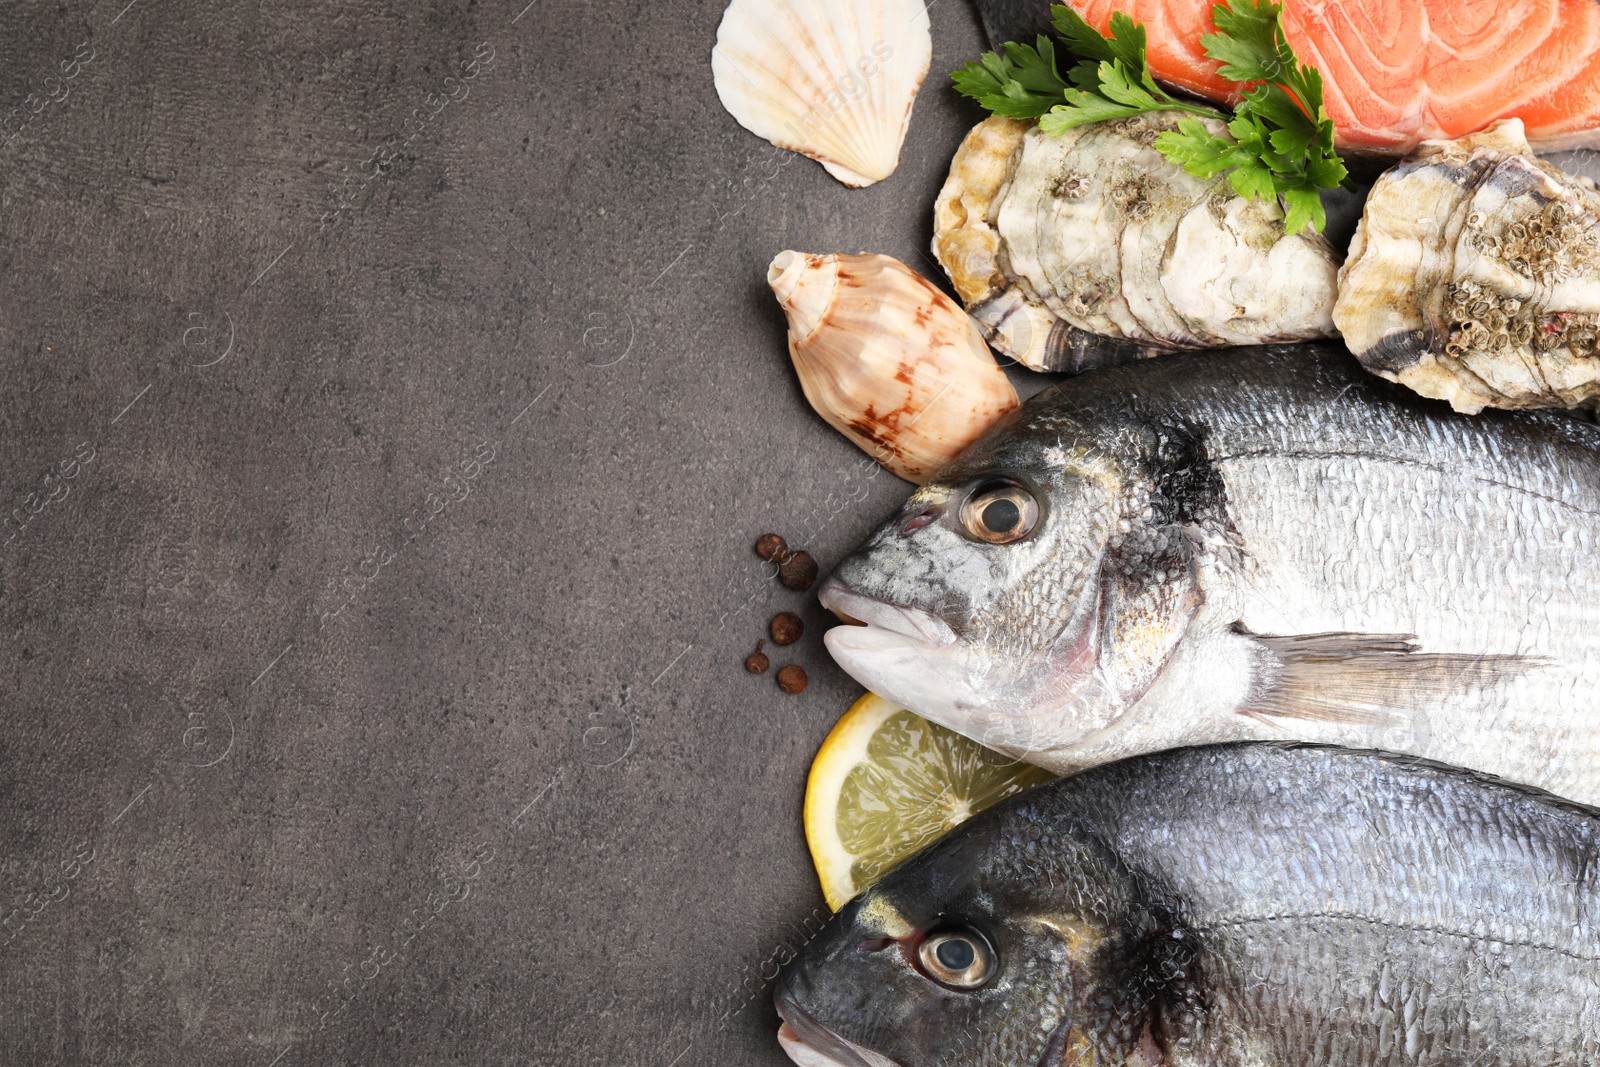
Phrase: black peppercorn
(786, 628)
(771, 547)
(798, 571)
(792, 679)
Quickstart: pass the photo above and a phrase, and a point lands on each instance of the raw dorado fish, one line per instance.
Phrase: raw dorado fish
(1248, 906)
(1396, 72)
(1250, 544)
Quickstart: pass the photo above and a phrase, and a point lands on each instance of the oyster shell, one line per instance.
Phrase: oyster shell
(888, 360)
(831, 79)
(1062, 246)
(1474, 276)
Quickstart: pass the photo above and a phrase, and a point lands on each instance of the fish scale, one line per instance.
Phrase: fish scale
(1371, 594)
(1204, 517)
(1465, 897)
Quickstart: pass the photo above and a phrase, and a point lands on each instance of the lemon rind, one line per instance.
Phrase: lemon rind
(842, 751)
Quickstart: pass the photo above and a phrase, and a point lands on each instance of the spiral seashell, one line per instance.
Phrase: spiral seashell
(888, 360)
(830, 79)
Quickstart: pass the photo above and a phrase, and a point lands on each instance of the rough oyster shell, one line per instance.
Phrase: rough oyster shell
(888, 360)
(1474, 276)
(1058, 243)
(831, 79)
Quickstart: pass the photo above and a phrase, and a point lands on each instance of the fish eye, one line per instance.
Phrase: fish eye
(1000, 514)
(959, 959)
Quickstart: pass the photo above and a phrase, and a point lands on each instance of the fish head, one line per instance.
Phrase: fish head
(957, 956)
(982, 605)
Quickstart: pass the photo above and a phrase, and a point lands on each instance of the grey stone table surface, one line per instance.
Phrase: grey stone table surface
(391, 398)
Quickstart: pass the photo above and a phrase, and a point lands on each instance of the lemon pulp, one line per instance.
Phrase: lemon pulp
(886, 782)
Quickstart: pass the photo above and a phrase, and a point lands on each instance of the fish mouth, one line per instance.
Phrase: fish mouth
(915, 625)
(810, 1044)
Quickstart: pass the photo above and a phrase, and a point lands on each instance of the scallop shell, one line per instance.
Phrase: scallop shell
(1474, 276)
(831, 79)
(889, 360)
(1091, 247)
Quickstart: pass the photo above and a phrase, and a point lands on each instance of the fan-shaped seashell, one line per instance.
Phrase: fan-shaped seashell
(888, 360)
(1474, 276)
(831, 79)
(1091, 247)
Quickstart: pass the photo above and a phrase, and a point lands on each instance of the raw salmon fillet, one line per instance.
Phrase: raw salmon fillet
(1397, 72)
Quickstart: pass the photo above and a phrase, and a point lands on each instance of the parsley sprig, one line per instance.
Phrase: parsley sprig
(1113, 80)
(1280, 139)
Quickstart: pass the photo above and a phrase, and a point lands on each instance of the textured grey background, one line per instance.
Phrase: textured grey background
(315, 752)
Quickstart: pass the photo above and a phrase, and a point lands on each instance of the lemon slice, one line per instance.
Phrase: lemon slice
(886, 782)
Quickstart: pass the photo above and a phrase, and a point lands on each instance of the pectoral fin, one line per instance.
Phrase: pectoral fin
(1366, 679)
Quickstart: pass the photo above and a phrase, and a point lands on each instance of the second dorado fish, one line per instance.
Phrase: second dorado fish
(1249, 544)
(1236, 906)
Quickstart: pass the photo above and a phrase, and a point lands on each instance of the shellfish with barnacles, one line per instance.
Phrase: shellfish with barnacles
(1090, 247)
(1474, 276)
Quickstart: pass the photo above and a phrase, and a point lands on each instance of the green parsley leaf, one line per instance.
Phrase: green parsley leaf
(1112, 82)
(1304, 205)
(1118, 86)
(1291, 142)
(1083, 39)
(1325, 172)
(1249, 131)
(1198, 150)
(1282, 118)
(1081, 109)
(1246, 42)
(1254, 181)
(1279, 142)
(1311, 91)
(1274, 105)
(1127, 43)
(1023, 83)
